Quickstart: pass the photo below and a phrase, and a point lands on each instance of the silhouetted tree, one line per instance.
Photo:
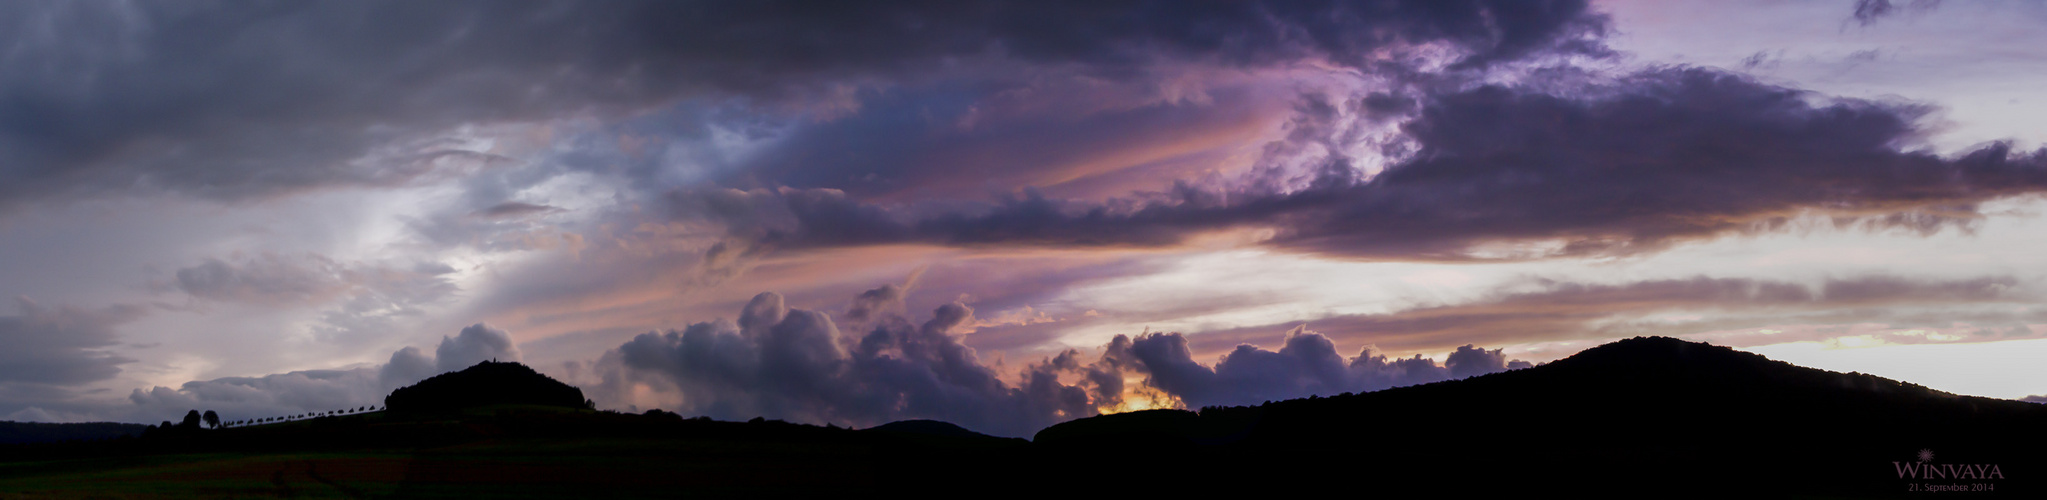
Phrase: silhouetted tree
(191, 421)
(212, 419)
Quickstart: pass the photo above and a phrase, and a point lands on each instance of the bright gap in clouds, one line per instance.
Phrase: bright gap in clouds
(1257, 286)
(1975, 59)
(2009, 369)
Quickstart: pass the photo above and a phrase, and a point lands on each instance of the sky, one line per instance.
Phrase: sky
(1000, 214)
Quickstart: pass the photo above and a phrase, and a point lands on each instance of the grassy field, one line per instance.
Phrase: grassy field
(609, 459)
(514, 468)
(223, 475)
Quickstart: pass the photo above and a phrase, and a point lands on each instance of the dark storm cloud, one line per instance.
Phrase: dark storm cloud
(1557, 311)
(60, 345)
(1630, 165)
(801, 218)
(965, 140)
(242, 100)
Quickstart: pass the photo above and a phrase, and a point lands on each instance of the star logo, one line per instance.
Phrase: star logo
(1925, 455)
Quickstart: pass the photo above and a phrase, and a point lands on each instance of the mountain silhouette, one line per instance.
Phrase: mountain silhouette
(488, 383)
(1643, 416)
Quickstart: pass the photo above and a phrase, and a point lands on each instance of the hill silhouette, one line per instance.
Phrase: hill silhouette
(923, 427)
(1644, 417)
(40, 432)
(487, 383)
(1634, 417)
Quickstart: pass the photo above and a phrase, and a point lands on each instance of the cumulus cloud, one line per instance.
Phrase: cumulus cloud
(873, 304)
(1470, 361)
(407, 365)
(474, 344)
(781, 362)
(1598, 167)
(1306, 364)
(792, 363)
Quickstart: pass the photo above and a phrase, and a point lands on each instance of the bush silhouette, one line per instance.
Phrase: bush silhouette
(212, 419)
(487, 383)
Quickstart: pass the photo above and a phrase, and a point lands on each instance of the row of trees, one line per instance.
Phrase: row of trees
(195, 419)
(286, 418)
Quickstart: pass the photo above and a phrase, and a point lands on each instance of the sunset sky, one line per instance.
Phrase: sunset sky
(1001, 214)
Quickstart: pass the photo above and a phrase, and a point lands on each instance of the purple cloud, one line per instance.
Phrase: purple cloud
(781, 362)
(1626, 166)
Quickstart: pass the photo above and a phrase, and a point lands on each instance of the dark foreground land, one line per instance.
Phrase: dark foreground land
(494, 452)
(1638, 418)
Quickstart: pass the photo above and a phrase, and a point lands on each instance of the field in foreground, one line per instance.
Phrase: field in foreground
(508, 455)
